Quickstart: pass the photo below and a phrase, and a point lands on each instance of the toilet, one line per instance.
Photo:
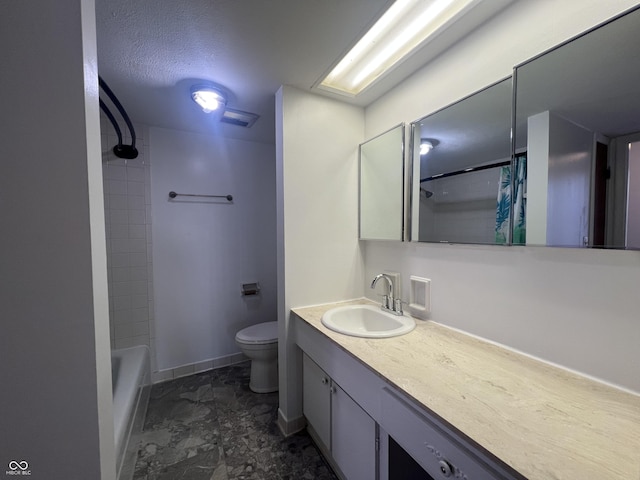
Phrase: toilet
(260, 343)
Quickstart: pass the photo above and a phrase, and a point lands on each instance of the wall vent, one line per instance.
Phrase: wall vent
(239, 118)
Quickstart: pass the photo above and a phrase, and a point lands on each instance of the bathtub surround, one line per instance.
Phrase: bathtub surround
(210, 426)
(56, 368)
(127, 200)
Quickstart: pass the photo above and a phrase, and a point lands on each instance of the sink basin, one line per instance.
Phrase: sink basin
(367, 321)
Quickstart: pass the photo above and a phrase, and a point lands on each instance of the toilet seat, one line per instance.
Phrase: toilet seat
(259, 334)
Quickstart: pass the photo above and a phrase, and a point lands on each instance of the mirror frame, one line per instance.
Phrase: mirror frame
(402, 157)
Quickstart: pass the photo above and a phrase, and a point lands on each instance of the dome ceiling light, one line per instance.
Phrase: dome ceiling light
(208, 97)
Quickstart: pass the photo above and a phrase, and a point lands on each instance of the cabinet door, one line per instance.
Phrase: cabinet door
(353, 437)
(316, 401)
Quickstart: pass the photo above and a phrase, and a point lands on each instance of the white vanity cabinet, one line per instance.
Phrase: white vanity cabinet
(344, 430)
(350, 410)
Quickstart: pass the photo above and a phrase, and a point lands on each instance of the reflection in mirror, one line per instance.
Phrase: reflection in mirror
(382, 186)
(577, 122)
(462, 170)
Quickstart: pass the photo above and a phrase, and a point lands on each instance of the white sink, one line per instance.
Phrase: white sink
(367, 321)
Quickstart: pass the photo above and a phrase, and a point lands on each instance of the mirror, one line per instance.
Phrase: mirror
(461, 170)
(577, 123)
(382, 186)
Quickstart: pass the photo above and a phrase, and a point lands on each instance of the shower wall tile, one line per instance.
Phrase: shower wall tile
(120, 274)
(118, 202)
(119, 231)
(135, 174)
(118, 217)
(139, 314)
(135, 202)
(138, 273)
(116, 187)
(121, 316)
(137, 217)
(137, 259)
(127, 194)
(140, 328)
(137, 231)
(122, 308)
(135, 188)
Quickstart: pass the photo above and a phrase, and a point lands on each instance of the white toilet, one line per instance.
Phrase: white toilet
(260, 343)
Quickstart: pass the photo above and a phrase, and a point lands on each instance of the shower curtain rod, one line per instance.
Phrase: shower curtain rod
(466, 170)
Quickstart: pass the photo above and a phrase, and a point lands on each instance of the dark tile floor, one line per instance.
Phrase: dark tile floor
(210, 426)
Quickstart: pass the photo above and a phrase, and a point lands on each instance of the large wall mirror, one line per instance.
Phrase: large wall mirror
(382, 186)
(461, 173)
(577, 129)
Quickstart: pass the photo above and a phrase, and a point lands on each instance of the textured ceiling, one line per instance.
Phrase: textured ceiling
(151, 52)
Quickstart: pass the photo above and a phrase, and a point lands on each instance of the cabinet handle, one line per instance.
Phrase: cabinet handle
(332, 390)
(325, 380)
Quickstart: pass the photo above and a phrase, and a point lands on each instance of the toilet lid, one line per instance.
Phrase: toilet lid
(266, 332)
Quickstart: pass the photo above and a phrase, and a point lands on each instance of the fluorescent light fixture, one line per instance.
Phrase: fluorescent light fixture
(404, 27)
(209, 98)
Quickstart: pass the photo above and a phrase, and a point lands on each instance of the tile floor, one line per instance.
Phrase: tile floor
(210, 426)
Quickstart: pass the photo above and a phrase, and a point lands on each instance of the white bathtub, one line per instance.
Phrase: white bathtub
(131, 375)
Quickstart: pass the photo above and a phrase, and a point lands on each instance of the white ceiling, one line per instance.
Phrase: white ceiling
(152, 52)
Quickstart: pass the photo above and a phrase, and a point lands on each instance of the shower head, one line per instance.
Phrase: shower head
(427, 193)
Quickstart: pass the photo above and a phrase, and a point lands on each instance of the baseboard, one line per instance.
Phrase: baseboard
(289, 427)
(191, 369)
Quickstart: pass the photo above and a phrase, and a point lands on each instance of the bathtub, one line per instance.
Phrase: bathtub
(131, 377)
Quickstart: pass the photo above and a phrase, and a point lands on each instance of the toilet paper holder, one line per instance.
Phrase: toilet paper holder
(250, 289)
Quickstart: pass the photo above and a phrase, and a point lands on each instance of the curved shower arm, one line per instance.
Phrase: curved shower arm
(107, 112)
(120, 108)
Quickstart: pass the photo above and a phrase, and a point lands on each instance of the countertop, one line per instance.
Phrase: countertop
(543, 421)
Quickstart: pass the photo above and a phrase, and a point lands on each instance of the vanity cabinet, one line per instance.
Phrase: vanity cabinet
(351, 410)
(344, 430)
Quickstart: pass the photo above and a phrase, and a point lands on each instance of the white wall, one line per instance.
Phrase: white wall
(55, 371)
(570, 163)
(633, 203)
(319, 257)
(461, 209)
(204, 250)
(571, 306)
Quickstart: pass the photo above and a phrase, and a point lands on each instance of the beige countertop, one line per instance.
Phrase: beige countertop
(545, 422)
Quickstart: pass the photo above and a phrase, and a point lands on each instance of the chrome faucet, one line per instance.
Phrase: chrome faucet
(389, 304)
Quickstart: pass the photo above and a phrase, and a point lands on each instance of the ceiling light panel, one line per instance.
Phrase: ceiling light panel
(406, 26)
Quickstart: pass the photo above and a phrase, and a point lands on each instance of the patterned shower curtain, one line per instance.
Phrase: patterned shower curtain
(503, 205)
(520, 201)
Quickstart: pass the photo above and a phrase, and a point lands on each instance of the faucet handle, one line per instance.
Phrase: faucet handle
(397, 305)
(385, 302)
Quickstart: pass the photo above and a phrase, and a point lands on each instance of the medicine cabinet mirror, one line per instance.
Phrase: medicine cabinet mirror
(461, 170)
(577, 123)
(382, 186)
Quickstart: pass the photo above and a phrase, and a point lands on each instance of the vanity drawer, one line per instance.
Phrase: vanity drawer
(440, 452)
